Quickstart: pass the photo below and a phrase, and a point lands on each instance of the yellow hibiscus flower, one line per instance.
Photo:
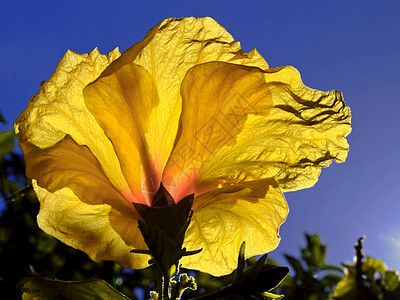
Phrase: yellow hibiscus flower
(185, 107)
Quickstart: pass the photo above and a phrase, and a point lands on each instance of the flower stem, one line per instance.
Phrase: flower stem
(165, 288)
(160, 284)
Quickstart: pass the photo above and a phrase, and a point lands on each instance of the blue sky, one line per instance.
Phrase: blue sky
(352, 46)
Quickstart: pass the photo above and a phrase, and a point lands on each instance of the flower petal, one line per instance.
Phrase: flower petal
(122, 104)
(303, 132)
(217, 98)
(87, 227)
(243, 124)
(127, 228)
(67, 164)
(59, 110)
(224, 218)
(167, 52)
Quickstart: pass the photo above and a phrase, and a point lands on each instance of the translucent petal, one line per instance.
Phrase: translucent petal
(304, 131)
(167, 52)
(59, 109)
(217, 98)
(67, 164)
(243, 124)
(224, 218)
(89, 228)
(122, 104)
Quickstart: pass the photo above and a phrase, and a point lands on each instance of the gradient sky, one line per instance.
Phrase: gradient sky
(352, 46)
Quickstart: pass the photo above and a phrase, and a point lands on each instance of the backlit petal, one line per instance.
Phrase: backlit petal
(243, 124)
(67, 164)
(122, 104)
(59, 109)
(87, 227)
(304, 131)
(167, 52)
(224, 218)
(217, 98)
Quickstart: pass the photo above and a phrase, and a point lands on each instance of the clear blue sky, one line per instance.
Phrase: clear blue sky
(353, 46)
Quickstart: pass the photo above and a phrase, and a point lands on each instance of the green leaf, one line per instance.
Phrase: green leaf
(6, 143)
(390, 280)
(346, 289)
(5, 234)
(46, 243)
(46, 289)
(259, 267)
(371, 265)
(241, 260)
(256, 281)
(297, 266)
(315, 253)
(330, 280)
(272, 296)
(333, 268)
